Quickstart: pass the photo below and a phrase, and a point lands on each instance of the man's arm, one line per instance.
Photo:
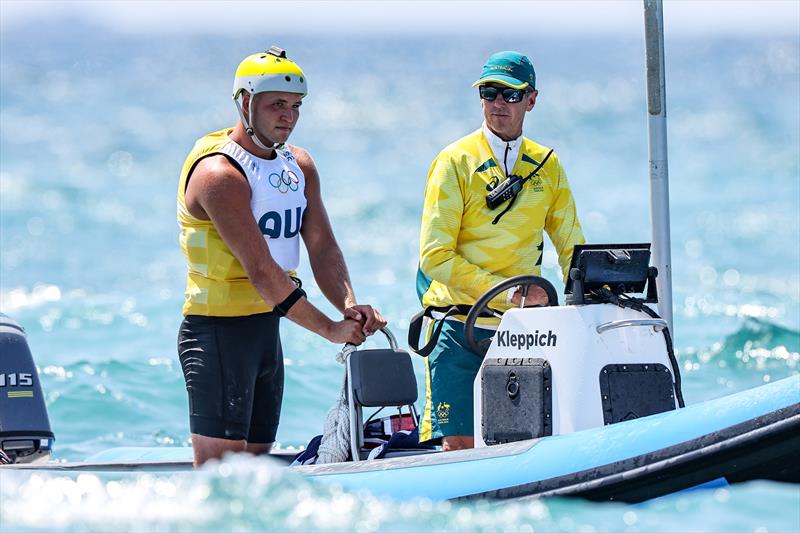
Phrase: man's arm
(561, 222)
(441, 225)
(217, 191)
(327, 260)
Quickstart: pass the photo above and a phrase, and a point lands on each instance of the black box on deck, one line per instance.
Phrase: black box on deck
(516, 400)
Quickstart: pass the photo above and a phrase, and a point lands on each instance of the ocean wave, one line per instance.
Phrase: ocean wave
(758, 344)
(759, 352)
(243, 493)
(239, 493)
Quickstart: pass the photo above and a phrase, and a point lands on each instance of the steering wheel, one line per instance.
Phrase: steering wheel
(481, 306)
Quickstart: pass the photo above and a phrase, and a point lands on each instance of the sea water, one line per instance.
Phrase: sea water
(96, 124)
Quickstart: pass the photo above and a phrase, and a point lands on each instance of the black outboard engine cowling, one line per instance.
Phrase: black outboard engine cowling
(25, 434)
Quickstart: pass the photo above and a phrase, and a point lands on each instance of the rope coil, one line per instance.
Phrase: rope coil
(335, 444)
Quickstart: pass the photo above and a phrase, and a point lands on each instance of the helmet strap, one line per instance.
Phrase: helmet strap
(250, 129)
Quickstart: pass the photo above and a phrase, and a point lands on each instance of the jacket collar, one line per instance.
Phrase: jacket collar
(505, 152)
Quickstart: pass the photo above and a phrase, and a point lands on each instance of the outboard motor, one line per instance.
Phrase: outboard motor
(25, 435)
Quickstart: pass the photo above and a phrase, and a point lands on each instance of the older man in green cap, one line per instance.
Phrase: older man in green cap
(469, 243)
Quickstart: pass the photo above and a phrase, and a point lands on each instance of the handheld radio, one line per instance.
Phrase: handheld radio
(510, 188)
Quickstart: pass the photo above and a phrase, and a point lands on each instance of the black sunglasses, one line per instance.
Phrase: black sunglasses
(512, 96)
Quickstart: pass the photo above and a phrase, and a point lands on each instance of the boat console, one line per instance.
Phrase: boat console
(602, 358)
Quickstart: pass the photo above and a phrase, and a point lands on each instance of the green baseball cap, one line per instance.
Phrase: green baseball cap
(509, 68)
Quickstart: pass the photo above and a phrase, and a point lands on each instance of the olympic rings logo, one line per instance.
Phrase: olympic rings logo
(285, 181)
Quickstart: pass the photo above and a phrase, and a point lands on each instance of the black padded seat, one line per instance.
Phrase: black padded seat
(380, 378)
(383, 378)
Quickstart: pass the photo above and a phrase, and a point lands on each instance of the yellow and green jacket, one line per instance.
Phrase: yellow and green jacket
(462, 254)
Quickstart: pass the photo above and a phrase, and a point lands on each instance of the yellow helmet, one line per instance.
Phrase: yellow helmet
(269, 71)
(264, 72)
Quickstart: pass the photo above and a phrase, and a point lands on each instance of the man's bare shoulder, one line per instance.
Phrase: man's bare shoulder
(304, 160)
(215, 167)
(215, 181)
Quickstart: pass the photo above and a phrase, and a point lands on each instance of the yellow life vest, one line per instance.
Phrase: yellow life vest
(217, 284)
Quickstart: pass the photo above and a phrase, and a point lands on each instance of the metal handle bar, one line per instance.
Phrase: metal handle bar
(389, 336)
(657, 323)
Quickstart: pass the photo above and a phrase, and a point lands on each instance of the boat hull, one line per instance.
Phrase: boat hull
(747, 435)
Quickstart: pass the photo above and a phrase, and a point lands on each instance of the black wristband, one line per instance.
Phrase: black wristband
(282, 308)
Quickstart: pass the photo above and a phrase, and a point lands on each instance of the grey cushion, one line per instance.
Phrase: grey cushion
(383, 377)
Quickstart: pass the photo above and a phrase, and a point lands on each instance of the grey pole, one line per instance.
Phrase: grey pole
(659, 176)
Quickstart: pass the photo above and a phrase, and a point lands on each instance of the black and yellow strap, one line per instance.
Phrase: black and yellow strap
(415, 327)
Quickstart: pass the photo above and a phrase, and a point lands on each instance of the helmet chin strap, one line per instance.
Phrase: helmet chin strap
(250, 130)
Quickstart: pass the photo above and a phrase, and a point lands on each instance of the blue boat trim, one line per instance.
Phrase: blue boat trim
(141, 454)
(469, 456)
(678, 467)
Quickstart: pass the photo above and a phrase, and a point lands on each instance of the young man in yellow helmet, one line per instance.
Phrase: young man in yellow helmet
(469, 244)
(244, 200)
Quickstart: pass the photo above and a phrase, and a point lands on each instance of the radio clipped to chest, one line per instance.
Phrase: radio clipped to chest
(509, 189)
(505, 191)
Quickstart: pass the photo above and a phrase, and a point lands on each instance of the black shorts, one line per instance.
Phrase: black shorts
(233, 368)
